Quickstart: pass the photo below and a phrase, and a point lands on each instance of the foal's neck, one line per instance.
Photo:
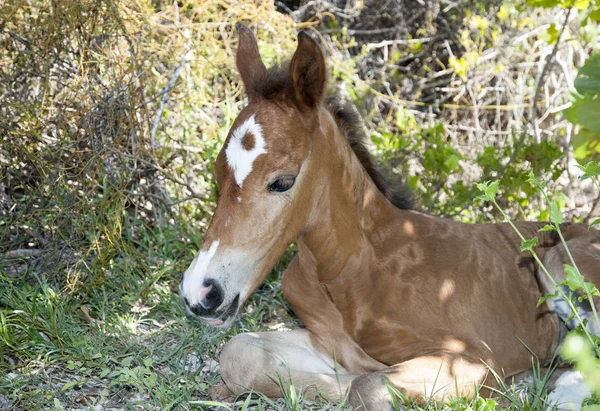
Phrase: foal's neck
(350, 208)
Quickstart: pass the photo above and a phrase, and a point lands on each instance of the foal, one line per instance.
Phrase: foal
(386, 293)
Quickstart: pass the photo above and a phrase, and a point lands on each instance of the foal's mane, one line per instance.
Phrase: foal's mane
(276, 82)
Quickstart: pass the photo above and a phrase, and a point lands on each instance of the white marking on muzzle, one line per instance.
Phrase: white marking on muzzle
(193, 278)
(239, 159)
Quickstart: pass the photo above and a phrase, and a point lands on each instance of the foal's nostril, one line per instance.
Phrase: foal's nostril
(213, 297)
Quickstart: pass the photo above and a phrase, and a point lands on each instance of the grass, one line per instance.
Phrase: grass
(126, 342)
(112, 116)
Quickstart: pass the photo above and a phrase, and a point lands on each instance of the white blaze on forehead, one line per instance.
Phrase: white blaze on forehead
(239, 159)
(194, 276)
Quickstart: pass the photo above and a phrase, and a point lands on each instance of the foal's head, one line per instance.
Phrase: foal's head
(267, 178)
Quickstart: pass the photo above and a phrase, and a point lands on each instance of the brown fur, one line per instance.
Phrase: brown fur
(276, 84)
(350, 124)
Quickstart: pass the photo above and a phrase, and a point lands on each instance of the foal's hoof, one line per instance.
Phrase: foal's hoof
(220, 392)
(368, 393)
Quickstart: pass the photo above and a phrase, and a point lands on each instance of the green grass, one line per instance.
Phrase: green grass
(125, 341)
(114, 332)
(97, 225)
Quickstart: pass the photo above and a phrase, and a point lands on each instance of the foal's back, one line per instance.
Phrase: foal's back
(438, 285)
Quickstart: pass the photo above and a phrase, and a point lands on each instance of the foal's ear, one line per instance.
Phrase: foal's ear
(308, 71)
(247, 59)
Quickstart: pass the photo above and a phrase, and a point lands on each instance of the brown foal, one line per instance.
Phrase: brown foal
(388, 295)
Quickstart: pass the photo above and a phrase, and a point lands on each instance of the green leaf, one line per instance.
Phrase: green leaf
(246, 403)
(586, 144)
(571, 114)
(58, 405)
(590, 288)
(533, 180)
(580, 4)
(588, 77)
(590, 170)
(69, 385)
(152, 380)
(489, 190)
(551, 34)
(547, 227)
(595, 14)
(452, 162)
(413, 181)
(544, 298)
(543, 3)
(555, 213)
(527, 245)
(211, 404)
(593, 223)
(588, 114)
(574, 279)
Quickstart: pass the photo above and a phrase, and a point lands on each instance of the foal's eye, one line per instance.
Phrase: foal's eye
(282, 184)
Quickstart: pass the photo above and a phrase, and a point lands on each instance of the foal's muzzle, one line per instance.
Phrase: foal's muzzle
(208, 307)
(211, 297)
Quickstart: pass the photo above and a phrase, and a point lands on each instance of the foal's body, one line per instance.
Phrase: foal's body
(429, 304)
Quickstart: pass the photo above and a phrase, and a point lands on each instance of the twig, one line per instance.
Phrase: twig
(549, 63)
(194, 193)
(163, 100)
(364, 32)
(400, 41)
(284, 7)
(21, 253)
(165, 93)
(43, 242)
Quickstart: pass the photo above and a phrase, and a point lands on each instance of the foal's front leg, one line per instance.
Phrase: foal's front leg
(435, 377)
(257, 361)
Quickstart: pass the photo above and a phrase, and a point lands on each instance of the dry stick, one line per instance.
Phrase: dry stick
(165, 93)
(163, 100)
(549, 63)
(364, 32)
(194, 193)
(21, 253)
(550, 59)
(113, 8)
(385, 43)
